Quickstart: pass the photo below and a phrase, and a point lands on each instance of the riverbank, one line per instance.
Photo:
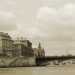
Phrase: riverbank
(17, 61)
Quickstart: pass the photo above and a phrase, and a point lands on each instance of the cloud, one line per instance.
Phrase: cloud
(53, 23)
(45, 13)
(8, 4)
(7, 21)
(60, 19)
(58, 26)
(7, 15)
(67, 12)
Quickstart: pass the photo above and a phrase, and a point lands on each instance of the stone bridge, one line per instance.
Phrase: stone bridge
(55, 60)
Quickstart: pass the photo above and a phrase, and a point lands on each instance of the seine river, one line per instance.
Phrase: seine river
(56, 70)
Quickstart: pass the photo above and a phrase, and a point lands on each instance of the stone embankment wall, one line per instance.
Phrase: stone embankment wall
(17, 61)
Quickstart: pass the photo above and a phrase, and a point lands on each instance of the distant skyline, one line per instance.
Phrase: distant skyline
(51, 22)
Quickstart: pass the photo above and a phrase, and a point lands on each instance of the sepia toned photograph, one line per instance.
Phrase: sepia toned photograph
(37, 37)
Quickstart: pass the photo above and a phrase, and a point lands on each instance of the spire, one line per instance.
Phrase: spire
(39, 46)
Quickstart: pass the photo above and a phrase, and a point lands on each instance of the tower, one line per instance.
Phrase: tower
(41, 52)
(39, 46)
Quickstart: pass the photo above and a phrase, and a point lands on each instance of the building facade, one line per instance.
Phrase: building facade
(19, 51)
(6, 44)
(23, 47)
(39, 52)
(18, 47)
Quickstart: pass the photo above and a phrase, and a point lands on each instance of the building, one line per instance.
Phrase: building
(23, 47)
(18, 51)
(39, 52)
(18, 47)
(6, 44)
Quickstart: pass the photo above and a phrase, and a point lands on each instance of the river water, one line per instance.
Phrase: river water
(53, 70)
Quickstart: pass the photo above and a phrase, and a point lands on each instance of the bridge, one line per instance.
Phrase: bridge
(58, 59)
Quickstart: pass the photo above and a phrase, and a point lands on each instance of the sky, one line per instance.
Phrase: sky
(51, 22)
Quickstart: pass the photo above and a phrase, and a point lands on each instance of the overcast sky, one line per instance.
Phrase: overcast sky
(52, 22)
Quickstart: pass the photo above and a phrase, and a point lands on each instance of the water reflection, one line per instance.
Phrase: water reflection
(64, 70)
